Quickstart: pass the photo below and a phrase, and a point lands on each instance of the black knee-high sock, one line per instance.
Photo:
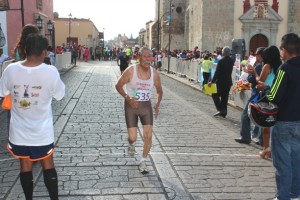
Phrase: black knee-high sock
(26, 179)
(50, 179)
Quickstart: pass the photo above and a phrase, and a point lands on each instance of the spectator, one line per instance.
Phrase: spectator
(206, 66)
(222, 78)
(158, 60)
(74, 55)
(271, 59)
(86, 54)
(245, 131)
(3, 57)
(31, 133)
(195, 50)
(123, 62)
(79, 47)
(51, 55)
(59, 50)
(98, 53)
(19, 50)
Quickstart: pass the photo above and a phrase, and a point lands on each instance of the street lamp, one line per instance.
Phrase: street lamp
(158, 25)
(69, 40)
(170, 19)
(50, 26)
(103, 38)
(39, 22)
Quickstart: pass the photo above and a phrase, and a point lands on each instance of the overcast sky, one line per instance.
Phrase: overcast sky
(115, 16)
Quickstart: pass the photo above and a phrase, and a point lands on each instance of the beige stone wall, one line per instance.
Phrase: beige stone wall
(177, 25)
(194, 26)
(238, 11)
(294, 16)
(209, 25)
(217, 24)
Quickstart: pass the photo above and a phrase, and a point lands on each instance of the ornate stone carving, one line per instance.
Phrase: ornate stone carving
(247, 5)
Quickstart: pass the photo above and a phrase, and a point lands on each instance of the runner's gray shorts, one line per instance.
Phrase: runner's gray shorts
(144, 112)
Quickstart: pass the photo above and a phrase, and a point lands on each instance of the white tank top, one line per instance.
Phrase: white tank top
(140, 89)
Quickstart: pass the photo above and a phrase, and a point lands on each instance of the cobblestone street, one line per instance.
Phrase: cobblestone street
(193, 156)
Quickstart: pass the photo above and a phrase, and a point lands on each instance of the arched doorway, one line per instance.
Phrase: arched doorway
(258, 40)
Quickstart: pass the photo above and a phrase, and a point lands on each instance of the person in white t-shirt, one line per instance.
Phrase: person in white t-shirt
(32, 85)
(159, 61)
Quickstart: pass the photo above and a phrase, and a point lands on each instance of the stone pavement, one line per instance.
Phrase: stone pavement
(193, 155)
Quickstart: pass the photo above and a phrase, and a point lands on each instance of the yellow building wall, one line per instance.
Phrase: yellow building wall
(82, 29)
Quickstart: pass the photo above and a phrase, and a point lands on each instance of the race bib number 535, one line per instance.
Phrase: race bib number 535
(143, 95)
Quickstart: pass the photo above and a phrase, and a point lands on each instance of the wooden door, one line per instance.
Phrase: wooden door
(258, 40)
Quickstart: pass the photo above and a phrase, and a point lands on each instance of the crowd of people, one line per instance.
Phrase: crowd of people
(278, 83)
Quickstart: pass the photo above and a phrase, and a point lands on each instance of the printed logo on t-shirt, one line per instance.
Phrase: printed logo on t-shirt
(35, 94)
(26, 95)
(16, 94)
(38, 87)
(25, 104)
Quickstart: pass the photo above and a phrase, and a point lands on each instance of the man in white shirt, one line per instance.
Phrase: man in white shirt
(158, 60)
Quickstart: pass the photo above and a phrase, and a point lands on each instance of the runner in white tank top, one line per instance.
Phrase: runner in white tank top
(139, 80)
(139, 88)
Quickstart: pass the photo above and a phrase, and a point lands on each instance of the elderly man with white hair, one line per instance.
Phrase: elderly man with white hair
(222, 78)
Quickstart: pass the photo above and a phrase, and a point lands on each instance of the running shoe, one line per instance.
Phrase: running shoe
(255, 140)
(143, 168)
(131, 150)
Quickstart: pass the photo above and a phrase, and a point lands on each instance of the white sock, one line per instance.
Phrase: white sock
(133, 144)
(143, 159)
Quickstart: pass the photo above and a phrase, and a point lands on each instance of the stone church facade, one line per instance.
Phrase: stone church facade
(216, 23)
